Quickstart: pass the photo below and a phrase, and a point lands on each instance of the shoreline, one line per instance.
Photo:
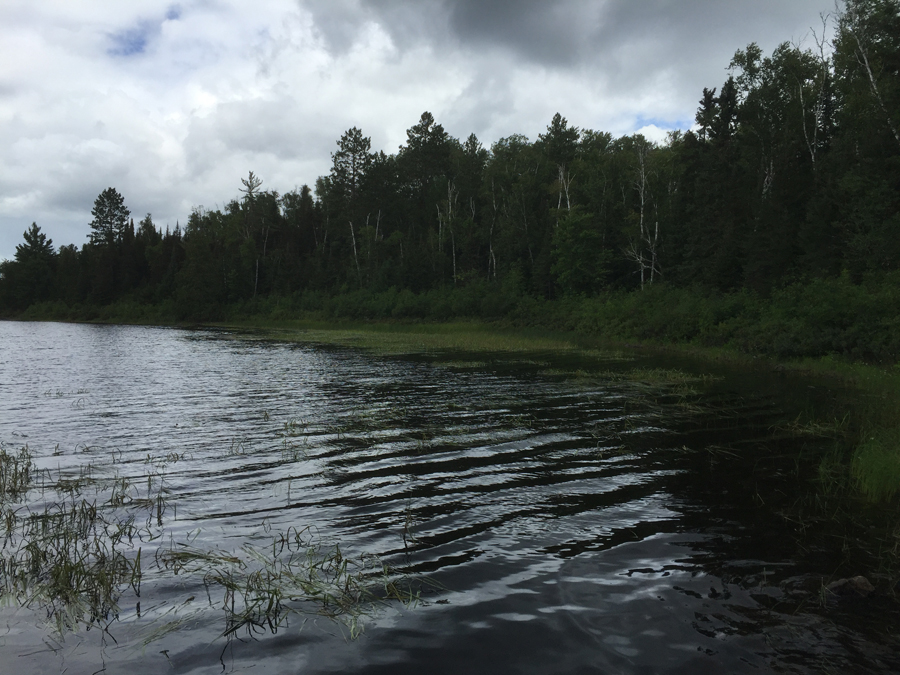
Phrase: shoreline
(868, 438)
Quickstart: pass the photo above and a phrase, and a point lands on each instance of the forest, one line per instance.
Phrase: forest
(772, 224)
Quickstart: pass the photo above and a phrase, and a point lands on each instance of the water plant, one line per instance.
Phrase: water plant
(73, 560)
(77, 541)
(875, 464)
(16, 471)
(260, 588)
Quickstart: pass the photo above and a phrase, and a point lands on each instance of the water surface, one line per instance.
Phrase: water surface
(551, 523)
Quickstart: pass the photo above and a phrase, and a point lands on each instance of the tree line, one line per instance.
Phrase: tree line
(791, 173)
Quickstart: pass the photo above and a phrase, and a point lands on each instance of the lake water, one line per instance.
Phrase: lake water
(555, 513)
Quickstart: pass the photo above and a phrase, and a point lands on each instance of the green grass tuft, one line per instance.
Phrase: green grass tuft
(876, 464)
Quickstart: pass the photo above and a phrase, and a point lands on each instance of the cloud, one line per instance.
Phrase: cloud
(546, 33)
(172, 105)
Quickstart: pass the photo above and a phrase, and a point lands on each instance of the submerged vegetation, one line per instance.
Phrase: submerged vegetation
(863, 417)
(502, 464)
(77, 546)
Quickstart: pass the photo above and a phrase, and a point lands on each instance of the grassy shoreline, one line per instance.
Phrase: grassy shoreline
(825, 334)
(850, 494)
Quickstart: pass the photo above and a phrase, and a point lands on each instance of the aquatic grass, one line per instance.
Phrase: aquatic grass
(82, 546)
(69, 554)
(666, 376)
(260, 588)
(426, 338)
(654, 377)
(803, 425)
(875, 464)
(183, 558)
(238, 446)
(16, 472)
(295, 427)
(865, 426)
(464, 365)
(73, 561)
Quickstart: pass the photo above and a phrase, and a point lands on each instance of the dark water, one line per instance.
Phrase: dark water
(553, 524)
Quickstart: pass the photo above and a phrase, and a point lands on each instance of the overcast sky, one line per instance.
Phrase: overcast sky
(172, 104)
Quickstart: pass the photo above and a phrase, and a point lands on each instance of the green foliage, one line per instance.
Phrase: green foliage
(29, 277)
(876, 463)
(738, 232)
(580, 261)
(110, 218)
(36, 246)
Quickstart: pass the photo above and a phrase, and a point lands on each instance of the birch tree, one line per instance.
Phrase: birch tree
(869, 30)
(561, 143)
(643, 249)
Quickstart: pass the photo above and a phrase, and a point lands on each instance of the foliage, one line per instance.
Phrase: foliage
(771, 227)
(110, 218)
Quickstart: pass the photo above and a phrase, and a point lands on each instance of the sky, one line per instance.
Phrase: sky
(172, 104)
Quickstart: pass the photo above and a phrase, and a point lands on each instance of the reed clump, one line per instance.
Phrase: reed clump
(69, 554)
(16, 472)
(77, 542)
(875, 464)
(260, 588)
(72, 560)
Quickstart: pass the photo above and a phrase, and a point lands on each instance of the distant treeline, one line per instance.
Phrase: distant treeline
(791, 175)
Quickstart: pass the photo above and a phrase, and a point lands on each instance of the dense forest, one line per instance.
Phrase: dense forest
(790, 180)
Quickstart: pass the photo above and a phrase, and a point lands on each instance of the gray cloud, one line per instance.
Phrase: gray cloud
(548, 33)
(173, 105)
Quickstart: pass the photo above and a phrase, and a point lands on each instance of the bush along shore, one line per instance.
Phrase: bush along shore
(835, 329)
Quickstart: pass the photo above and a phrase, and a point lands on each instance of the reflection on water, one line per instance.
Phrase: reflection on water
(554, 524)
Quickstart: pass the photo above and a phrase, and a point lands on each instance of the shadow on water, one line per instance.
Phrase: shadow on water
(497, 512)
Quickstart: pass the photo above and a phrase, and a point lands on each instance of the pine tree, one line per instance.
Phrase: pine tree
(110, 218)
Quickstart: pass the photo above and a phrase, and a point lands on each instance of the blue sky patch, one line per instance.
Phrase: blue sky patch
(173, 13)
(129, 42)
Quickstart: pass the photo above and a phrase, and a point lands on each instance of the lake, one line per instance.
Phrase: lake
(209, 500)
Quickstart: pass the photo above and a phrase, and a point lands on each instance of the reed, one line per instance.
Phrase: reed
(77, 541)
(875, 463)
(260, 588)
(16, 471)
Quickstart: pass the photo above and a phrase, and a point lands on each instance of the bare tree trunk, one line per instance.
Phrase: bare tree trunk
(646, 240)
(525, 226)
(453, 244)
(355, 256)
(440, 229)
(768, 178)
(862, 56)
(635, 253)
(812, 140)
(491, 257)
(567, 181)
(369, 256)
(564, 180)
(560, 181)
(448, 216)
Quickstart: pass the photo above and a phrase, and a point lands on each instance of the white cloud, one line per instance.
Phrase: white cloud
(172, 105)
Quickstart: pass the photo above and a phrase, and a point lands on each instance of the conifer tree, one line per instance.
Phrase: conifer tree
(110, 218)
